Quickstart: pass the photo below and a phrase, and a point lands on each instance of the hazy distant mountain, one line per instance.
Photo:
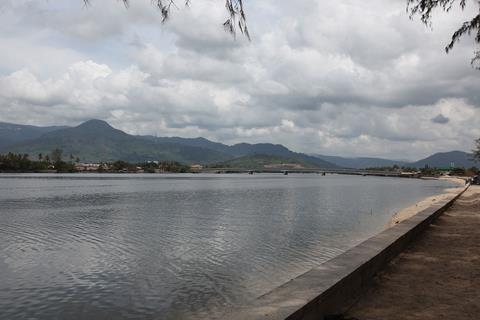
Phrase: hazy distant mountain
(439, 160)
(96, 140)
(244, 149)
(361, 163)
(259, 161)
(446, 159)
(11, 133)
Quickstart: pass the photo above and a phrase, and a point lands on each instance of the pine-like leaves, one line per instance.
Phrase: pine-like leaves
(236, 19)
(425, 8)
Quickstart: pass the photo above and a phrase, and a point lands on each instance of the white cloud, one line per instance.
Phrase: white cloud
(349, 78)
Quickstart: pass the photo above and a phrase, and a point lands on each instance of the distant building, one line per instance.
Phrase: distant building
(410, 174)
(196, 167)
(87, 167)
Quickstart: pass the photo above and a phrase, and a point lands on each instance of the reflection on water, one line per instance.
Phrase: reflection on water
(176, 246)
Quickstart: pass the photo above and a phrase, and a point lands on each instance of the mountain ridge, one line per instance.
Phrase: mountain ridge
(447, 159)
(361, 162)
(11, 133)
(96, 140)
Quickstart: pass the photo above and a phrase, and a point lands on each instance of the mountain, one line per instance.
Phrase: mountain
(261, 161)
(439, 160)
(236, 150)
(192, 142)
(261, 148)
(244, 149)
(11, 133)
(446, 159)
(96, 140)
(361, 163)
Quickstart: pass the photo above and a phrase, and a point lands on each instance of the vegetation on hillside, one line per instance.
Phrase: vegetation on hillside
(97, 141)
(262, 161)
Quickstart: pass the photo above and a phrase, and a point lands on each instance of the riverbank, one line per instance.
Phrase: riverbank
(412, 210)
(437, 277)
(334, 286)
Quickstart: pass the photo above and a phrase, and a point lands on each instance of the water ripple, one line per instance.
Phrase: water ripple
(176, 247)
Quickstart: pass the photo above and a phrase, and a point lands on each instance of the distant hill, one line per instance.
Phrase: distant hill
(192, 142)
(236, 150)
(446, 159)
(361, 163)
(11, 133)
(261, 161)
(438, 160)
(96, 140)
(243, 149)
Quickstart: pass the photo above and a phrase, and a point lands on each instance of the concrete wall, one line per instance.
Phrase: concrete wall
(333, 286)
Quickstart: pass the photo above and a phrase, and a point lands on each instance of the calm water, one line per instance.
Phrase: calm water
(176, 246)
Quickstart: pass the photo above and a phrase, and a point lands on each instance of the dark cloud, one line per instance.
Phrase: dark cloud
(440, 119)
(319, 76)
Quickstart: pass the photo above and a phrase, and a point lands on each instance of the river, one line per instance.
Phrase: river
(184, 246)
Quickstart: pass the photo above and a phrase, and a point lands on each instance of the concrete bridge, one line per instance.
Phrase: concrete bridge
(323, 171)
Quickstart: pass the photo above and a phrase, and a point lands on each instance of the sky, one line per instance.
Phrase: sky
(336, 77)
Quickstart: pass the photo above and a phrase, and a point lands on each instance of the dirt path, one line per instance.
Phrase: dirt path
(438, 277)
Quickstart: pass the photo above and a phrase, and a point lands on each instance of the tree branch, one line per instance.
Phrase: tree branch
(236, 15)
(424, 8)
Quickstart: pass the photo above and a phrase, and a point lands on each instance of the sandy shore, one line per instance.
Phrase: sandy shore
(425, 203)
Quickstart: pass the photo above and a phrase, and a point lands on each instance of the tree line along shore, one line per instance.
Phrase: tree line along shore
(57, 162)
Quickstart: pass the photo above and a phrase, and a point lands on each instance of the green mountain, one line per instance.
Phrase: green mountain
(192, 142)
(244, 149)
(261, 161)
(96, 140)
(447, 159)
(361, 162)
(11, 133)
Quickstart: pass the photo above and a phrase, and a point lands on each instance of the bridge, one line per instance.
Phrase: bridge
(323, 171)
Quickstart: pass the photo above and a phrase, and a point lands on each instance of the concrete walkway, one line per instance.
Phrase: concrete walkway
(438, 277)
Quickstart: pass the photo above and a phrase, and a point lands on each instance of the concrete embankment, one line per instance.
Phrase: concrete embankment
(437, 277)
(412, 210)
(334, 286)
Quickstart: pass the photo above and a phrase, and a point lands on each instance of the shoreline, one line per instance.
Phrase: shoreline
(331, 288)
(410, 211)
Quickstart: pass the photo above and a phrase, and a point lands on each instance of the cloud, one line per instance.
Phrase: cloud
(440, 119)
(348, 78)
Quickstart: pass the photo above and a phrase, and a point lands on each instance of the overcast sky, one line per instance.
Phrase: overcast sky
(339, 77)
